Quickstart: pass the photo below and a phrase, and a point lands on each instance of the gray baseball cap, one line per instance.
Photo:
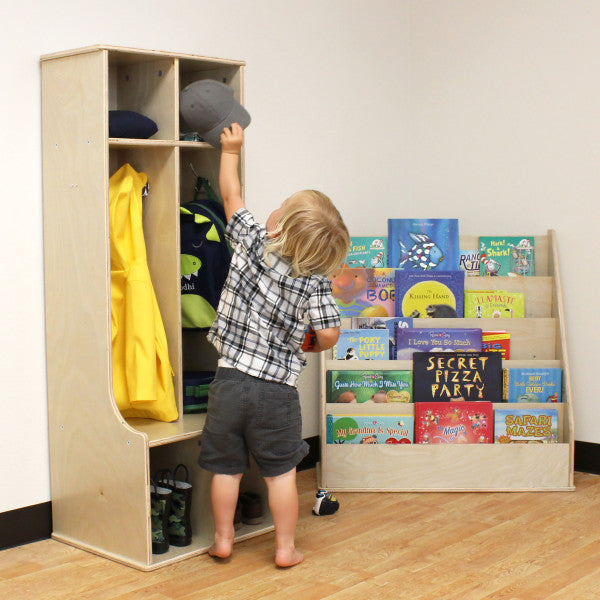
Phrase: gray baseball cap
(208, 106)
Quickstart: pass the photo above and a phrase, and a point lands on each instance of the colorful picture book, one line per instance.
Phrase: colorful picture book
(347, 387)
(362, 292)
(493, 304)
(411, 340)
(423, 244)
(468, 261)
(363, 344)
(496, 341)
(508, 255)
(389, 323)
(535, 384)
(456, 423)
(367, 251)
(525, 425)
(435, 294)
(371, 429)
(451, 376)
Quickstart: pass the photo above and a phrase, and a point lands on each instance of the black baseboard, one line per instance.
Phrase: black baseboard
(32, 523)
(24, 525)
(587, 457)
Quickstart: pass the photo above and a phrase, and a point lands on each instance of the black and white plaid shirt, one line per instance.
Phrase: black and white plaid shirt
(260, 323)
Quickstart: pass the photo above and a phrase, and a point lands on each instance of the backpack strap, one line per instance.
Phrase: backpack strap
(203, 187)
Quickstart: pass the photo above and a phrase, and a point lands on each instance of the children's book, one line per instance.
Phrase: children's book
(457, 423)
(468, 261)
(496, 341)
(347, 387)
(362, 292)
(367, 251)
(525, 425)
(371, 429)
(435, 294)
(390, 323)
(363, 344)
(450, 376)
(509, 255)
(494, 304)
(535, 384)
(409, 341)
(423, 244)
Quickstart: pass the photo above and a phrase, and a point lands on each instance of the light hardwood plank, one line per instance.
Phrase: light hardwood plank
(472, 546)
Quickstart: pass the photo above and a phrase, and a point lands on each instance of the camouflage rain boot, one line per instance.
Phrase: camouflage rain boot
(180, 527)
(160, 506)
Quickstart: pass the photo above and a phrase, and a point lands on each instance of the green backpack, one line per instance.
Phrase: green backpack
(205, 257)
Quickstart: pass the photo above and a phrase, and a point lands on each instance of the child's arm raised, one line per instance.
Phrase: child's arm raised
(229, 180)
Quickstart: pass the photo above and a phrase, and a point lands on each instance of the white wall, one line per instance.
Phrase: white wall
(483, 110)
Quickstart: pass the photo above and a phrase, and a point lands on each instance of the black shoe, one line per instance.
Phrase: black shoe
(252, 511)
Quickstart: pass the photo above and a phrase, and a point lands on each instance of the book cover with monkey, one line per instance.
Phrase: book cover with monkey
(456, 376)
(456, 423)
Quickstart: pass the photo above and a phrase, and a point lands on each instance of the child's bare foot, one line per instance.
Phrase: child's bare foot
(288, 558)
(222, 548)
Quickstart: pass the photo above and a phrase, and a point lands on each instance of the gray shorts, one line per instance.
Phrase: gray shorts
(247, 414)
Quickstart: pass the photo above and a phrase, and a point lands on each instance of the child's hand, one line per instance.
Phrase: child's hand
(232, 139)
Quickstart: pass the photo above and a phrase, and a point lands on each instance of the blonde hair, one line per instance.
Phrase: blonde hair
(310, 234)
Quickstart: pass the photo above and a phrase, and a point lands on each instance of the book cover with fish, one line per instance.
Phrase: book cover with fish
(423, 244)
(370, 429)
(409, 341)
(457, 376)
(456, 423)
(494, 304)
(507, 255)
(348, 387)
(389, 323)
(525, 425)
(363, 344)
(367, 252)
(362, 292)
(534, 384)
(436, 294)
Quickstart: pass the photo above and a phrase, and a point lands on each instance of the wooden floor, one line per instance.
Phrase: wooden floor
(509, 546)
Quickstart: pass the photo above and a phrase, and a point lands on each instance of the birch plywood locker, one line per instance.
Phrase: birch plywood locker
(101, 463)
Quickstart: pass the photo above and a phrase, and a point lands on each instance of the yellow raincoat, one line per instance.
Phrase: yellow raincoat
(142, 374)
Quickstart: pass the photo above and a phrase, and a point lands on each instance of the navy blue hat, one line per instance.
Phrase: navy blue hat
(208, 106)
(130, 124)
